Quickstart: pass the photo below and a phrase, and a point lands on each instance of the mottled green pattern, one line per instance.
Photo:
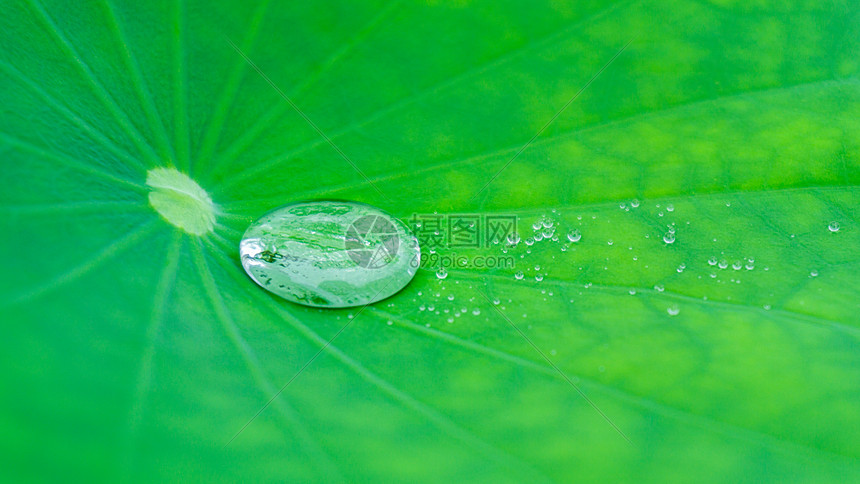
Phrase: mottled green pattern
(132, 350)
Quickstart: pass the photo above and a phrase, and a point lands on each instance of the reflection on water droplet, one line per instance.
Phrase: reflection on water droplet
(316, 253)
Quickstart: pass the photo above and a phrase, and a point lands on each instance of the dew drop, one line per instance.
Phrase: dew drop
(813, 273)
(673, 310)
(833, 227)
(441, 273)
(669, 237)
(574, 235)
(634, 203)
(329, 253)
(723, 264)
(519, 275)
(670, 207)
(538, 277)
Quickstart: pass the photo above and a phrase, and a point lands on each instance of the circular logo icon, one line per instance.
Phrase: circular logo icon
(372, 241)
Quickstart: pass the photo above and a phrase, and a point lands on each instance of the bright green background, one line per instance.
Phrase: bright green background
(131, 351)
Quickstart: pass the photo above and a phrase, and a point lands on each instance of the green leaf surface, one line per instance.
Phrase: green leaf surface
(133, 350)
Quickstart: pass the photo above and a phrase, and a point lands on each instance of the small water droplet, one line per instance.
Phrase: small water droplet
(669, 237)
(441, 273)
(538, 277)
(634, 203)
(723, 264)
(476, 312)
(574, 235)
(813, 273)
(632, 292)
(712, 261)
(670, 207)
(737, 265)
(659, 288)
(833, 227)
(519, 275)
(673, 310)
(610, 242)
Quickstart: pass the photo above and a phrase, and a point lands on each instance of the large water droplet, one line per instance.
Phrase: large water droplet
(330, 253)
